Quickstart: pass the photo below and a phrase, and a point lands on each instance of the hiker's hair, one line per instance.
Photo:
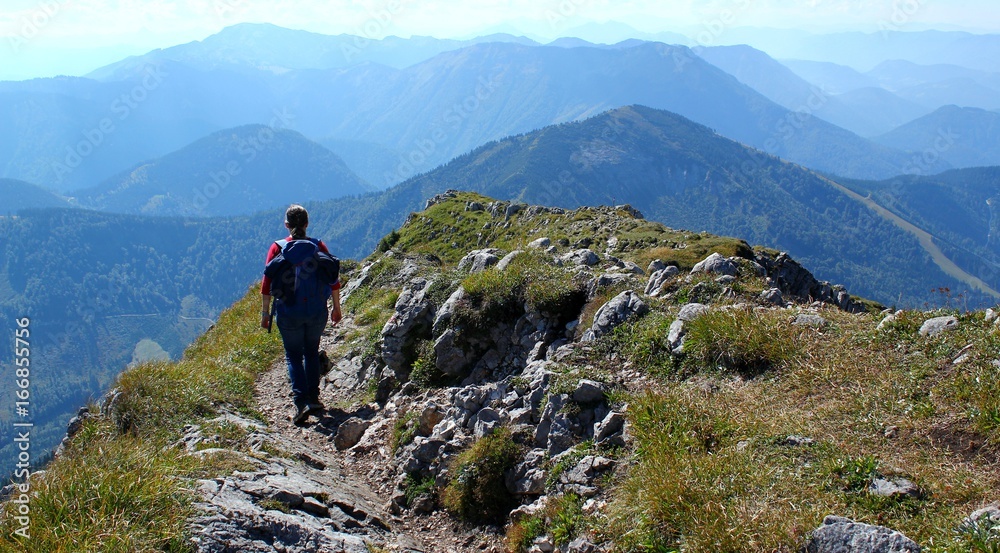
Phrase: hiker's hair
(296, 217)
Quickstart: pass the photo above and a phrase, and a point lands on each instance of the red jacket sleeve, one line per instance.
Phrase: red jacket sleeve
(265, 285)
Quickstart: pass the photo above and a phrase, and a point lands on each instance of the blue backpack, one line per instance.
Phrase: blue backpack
(301, 276)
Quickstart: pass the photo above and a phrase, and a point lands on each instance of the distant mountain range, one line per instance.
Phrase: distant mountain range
(686, 176)
(232, 172)
(963, 137)
(72, 133)
(254, 47)
(865, 111)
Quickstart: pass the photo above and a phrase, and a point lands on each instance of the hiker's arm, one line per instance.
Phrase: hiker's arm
(265, 311)
(336, 316)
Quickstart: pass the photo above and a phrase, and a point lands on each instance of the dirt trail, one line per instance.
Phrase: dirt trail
(434, 533)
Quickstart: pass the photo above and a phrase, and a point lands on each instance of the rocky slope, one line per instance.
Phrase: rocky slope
(523, 378)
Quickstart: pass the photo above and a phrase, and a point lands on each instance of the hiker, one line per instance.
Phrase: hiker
(301, 294)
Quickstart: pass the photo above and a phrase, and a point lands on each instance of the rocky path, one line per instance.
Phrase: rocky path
(337, 500)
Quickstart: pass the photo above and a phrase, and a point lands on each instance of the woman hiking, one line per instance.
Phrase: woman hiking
(301, 308)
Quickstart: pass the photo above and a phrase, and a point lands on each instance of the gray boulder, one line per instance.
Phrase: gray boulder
(528, 477)
(692, 311)
(349, 433)
(540, 244)
(841, 535)
(937, 325)
(610, 430)
(772, 296)
(621, 308)
(588, 391)
(445, 313)
(897, 487)
(478, 261)
(582, 257)
(715, 264)
(659, 278)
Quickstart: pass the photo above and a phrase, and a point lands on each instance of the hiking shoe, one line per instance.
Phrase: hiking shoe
(301, 415)
(315, 408)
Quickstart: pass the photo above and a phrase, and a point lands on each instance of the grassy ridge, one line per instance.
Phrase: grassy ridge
(120, 486)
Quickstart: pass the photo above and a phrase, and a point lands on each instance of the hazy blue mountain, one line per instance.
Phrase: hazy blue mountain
(965, 137)
(16, 195)
(832, 77)
(680, 173)
(963, 92)
(368, 160)
(459, 100)
(428, 112)
(615, 32)
(231, 172)
(265, 47)
(864, 51)
(880, 109)
(781, 85)
(901, 74)
(71, 133)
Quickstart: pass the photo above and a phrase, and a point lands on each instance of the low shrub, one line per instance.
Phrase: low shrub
(477, 491)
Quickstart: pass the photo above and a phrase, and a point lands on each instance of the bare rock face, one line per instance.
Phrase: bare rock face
(841, 535)
(412, 320)
(282, 505)
(797, 283)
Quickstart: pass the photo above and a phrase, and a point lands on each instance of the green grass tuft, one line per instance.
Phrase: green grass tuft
(477, 492)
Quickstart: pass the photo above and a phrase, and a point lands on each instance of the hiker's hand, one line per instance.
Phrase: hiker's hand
(336, 316)
(265, 321)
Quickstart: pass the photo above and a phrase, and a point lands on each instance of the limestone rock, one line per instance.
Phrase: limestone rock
(588, 391)
(582, 257)
(897, 487)
(507, 259)
(540, 244)
(478, 261)
(692, 311)
(619, 309)
(349, 433)
(411, 321)
(772, 296)
(806, 319)
(715, 264)
(937, 325)
(841, 535)
(659, 278)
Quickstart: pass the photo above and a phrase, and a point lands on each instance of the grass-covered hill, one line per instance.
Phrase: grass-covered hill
(684, 175)
(750, 413)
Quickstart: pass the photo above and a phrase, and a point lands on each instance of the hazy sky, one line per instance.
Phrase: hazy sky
(44, 37)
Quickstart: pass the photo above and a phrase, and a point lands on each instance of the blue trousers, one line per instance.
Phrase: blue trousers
(300, 336)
